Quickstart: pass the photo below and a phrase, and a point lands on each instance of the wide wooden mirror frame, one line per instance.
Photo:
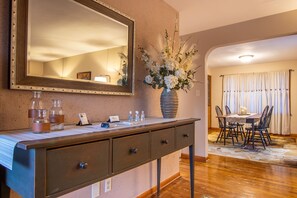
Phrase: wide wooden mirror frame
(18, 67)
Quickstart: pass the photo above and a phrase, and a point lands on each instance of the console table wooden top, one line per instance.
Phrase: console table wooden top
(76, 139)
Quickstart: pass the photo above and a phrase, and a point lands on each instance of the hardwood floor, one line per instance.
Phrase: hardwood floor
(229, 177)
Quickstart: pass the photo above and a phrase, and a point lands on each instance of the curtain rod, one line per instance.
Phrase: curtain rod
(290, 70)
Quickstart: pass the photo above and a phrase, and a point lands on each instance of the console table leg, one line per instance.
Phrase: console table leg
(4, 190)
(192, 168)
(158, 176)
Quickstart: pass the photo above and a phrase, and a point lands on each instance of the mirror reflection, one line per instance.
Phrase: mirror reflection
(83, 45)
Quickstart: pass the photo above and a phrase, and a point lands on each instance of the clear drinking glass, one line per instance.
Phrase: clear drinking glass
(56, 115)
(35, 104)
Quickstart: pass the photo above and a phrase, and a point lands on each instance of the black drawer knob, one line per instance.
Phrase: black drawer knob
(83, 165)
(186, 135)
(133, 150)
(164, 141)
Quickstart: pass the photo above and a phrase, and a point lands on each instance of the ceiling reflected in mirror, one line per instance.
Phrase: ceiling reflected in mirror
(82, 40)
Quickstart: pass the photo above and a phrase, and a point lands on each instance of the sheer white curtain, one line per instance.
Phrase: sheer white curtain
(257, 90)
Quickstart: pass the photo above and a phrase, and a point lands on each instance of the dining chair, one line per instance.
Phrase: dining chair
(230, 129)
(260, 128)
(267, 124)
(239, 126)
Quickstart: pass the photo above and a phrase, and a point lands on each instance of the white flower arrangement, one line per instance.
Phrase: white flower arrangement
(173, 69)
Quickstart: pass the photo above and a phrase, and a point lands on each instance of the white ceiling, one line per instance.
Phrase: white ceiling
(270, 50)
(199, 15)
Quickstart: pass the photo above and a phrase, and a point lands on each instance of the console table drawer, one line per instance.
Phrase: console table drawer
(130, 151)
(70, 166)
(184, 136)
(162, 142)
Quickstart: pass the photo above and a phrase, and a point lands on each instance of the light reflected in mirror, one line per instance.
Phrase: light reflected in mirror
(83, 45)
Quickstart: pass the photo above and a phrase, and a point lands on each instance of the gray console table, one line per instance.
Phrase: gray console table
(56, 166)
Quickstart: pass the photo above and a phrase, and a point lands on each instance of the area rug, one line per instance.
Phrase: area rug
(282, 151)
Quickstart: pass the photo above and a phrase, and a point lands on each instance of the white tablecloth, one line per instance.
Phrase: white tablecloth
(9, 140)
(238, 118)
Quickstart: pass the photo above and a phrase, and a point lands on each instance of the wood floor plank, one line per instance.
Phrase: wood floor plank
(230, 177)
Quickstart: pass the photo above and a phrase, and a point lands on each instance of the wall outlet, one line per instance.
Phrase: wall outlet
(107, 185)
(96, 190)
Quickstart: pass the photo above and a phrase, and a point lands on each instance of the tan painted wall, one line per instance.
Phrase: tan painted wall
(53, 68)
(194, 103)
(104, 62)
(14, 104)
(35, 68)
(266, 67)
(148, 30)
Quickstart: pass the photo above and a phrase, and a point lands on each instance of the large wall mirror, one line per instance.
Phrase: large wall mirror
(79, 46)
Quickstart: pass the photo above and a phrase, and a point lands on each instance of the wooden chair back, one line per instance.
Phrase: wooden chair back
(228, 111)
(268, 120)
(220, 113)
(263, 118)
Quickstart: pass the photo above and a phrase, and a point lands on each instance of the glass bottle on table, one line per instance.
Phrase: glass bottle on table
(142, 116)
(56, 115)
(130, 117)
(41, 122)
(137, 118)
(36, 104)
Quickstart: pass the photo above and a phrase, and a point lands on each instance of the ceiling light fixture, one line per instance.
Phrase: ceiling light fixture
(246, 58)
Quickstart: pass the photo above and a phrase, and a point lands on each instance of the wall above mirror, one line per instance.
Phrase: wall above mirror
(79, 46)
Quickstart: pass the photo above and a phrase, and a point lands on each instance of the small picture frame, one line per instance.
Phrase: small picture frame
(84, 75)
(83, 120)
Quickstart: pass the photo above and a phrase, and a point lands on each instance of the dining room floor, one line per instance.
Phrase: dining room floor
(225, 177)
(282, 151)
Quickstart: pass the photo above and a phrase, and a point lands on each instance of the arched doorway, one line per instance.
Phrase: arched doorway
(195, 104)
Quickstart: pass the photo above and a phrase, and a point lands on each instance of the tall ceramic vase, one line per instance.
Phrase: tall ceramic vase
(169, 103)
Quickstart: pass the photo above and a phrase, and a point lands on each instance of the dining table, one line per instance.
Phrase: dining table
(250, 118)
